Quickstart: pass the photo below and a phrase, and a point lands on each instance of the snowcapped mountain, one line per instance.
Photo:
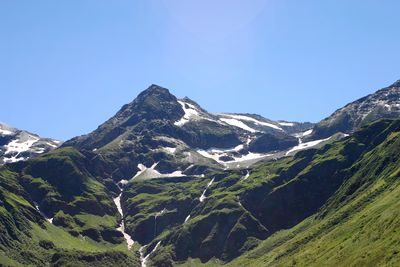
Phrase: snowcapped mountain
(384, 103)
(177, 136)
(17, 145)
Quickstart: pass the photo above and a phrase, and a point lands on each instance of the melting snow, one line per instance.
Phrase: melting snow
(216, 154)
(306, 145)
(121, 227)
(5, 132)
(247, 175)
(187, 218)
(170, 150)
(190, 113)
(124, 182)
(307, 132)
(247, 118)
(144, 259)
(17, 146)
(237, 123)
(288, 124)
(153, 173)
(50, 220)
(203, 196)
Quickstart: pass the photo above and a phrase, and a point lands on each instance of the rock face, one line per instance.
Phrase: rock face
(384, 103)
(17, 145)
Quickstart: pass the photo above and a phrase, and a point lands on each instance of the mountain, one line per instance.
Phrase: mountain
(17, 145)
(166, 183)
(183, 138)
(384, 103)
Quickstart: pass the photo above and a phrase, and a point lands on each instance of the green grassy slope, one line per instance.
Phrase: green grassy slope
(358, 226)
(83, 232)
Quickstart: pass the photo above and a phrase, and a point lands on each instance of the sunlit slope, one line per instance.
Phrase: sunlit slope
(358, 226)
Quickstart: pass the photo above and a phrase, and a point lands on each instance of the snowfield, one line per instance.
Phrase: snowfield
(307, 145)
(247, 118)
(190, 113)
(239, 124)
(149, 173)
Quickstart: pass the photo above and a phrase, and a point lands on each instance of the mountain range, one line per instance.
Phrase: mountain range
(166, 183)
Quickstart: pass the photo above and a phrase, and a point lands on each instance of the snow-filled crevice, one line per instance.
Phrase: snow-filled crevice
(50, 220)
(143, 258)
(121, 227)
(203, 196)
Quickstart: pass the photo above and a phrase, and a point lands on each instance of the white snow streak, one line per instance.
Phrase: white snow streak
(310, 144)
(143, 258)
(247, 118)
(187, 218)
(288, 124)
(239, 124)
(203, 196)
(121, 227)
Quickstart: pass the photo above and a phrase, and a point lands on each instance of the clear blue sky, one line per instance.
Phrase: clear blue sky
(68, 65)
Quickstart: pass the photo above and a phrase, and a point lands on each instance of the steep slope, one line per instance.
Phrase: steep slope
(384, 103)
(17, 145)
(241, 210)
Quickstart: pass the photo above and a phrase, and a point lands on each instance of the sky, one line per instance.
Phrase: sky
(66, 66)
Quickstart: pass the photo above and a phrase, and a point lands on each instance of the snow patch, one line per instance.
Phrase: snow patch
(247, 118)
(307, 132)
(170, 150)
(287, 124)
(18, 146)
(216, 154)
(190, 113)
(5, 132)
(306, 145)
(203, 196)
(153, 173)
(239, 124)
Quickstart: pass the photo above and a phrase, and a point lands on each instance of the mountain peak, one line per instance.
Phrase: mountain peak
(155, 90)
